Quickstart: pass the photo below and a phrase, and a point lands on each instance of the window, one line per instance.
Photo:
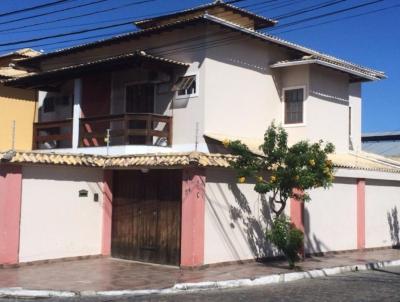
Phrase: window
(49, 105)
(294, 106)
(186, 86)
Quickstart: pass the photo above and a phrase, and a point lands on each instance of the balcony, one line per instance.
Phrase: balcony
(52, 135)
(122, 129)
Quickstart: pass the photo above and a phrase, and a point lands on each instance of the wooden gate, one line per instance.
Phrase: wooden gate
(146, 220)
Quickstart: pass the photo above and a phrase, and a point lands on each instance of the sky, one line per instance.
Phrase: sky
(371, 39)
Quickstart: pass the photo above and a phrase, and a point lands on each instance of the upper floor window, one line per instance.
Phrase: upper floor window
(186, 86)
(294, 106)
(49, 105)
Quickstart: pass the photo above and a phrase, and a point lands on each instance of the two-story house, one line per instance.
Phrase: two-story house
(128, 159)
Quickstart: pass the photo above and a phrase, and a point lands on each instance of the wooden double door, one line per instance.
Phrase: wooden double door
(146, 217)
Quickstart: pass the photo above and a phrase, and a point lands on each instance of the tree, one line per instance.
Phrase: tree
(285, 172)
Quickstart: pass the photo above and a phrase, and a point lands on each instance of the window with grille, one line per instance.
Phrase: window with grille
(186, 86)
(294, 106)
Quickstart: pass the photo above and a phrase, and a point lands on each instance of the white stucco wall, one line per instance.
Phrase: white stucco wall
(330, 218)
(355, 103)
(241, 96)
(55, 222)
(235, 219)
(382, 213)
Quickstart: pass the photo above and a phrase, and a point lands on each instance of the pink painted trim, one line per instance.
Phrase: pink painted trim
(193, 215)
(10, 213)
(361, 214)
(297, 213)
(107, 212)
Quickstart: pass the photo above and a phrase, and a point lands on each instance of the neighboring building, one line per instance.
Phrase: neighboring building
(17, 106)
(129, 160)
(382, 143)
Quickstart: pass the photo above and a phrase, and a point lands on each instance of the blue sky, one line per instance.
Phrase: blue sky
(372, 40)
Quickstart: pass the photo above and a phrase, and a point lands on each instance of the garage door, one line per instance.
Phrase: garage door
(146, 219)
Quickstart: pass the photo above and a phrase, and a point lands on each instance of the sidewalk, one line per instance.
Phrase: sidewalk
(105, 274)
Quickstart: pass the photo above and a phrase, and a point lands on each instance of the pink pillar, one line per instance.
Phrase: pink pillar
(360, 213)
(297, 213)
(107, 212)
(193, 211)
(10, 212)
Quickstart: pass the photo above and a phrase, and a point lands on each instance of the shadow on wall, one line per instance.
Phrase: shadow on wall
(249, 220)
(254, 228)
(393, 221)
(312, 244)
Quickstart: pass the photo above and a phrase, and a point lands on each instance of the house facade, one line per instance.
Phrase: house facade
(128, 160)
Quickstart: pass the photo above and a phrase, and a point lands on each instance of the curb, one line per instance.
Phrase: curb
(17, 292)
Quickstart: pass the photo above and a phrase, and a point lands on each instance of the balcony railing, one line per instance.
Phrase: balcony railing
(126, 129)
(52, 135)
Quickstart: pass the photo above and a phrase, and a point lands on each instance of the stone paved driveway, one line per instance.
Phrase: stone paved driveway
(112, 274)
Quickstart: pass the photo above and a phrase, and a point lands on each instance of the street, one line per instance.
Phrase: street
(379, 285)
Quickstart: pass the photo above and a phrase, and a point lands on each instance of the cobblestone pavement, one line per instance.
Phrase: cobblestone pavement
(110, 274)
(380, 285)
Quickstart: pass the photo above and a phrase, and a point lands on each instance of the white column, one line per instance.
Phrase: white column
(76, 112)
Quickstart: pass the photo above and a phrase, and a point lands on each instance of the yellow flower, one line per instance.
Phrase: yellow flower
(312, 162)
(226, 143)
(273, 178)
(260, 179)
(242, 179)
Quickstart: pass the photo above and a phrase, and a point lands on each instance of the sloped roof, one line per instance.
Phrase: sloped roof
(9, 72)
(24, 52)
(350, 160)
(120, 61)
(367, 72)
(355, 71)
(360, 161)
(138, 160)
(259, 21)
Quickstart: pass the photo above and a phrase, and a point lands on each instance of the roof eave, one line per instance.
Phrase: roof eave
(327, 64)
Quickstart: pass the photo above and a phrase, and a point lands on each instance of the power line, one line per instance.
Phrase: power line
(325, 15)
(308, 9)
(69, 25)
(75, 32)
(90, 14)
(274, 6)
(49, 4)
(65, 34)
(52, 12)
(262, 2)
(340, 19)
(202, 45)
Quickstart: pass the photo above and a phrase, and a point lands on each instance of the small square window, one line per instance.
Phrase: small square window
(186, 86)
(294, 106)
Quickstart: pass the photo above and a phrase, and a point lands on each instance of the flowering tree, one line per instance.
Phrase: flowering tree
(292, 171)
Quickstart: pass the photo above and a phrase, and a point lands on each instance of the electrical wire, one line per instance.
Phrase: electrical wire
(49, 4)
(308, 9)
(340, 19)
(326, 14)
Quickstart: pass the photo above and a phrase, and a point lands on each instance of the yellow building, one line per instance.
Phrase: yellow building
(17, 106)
